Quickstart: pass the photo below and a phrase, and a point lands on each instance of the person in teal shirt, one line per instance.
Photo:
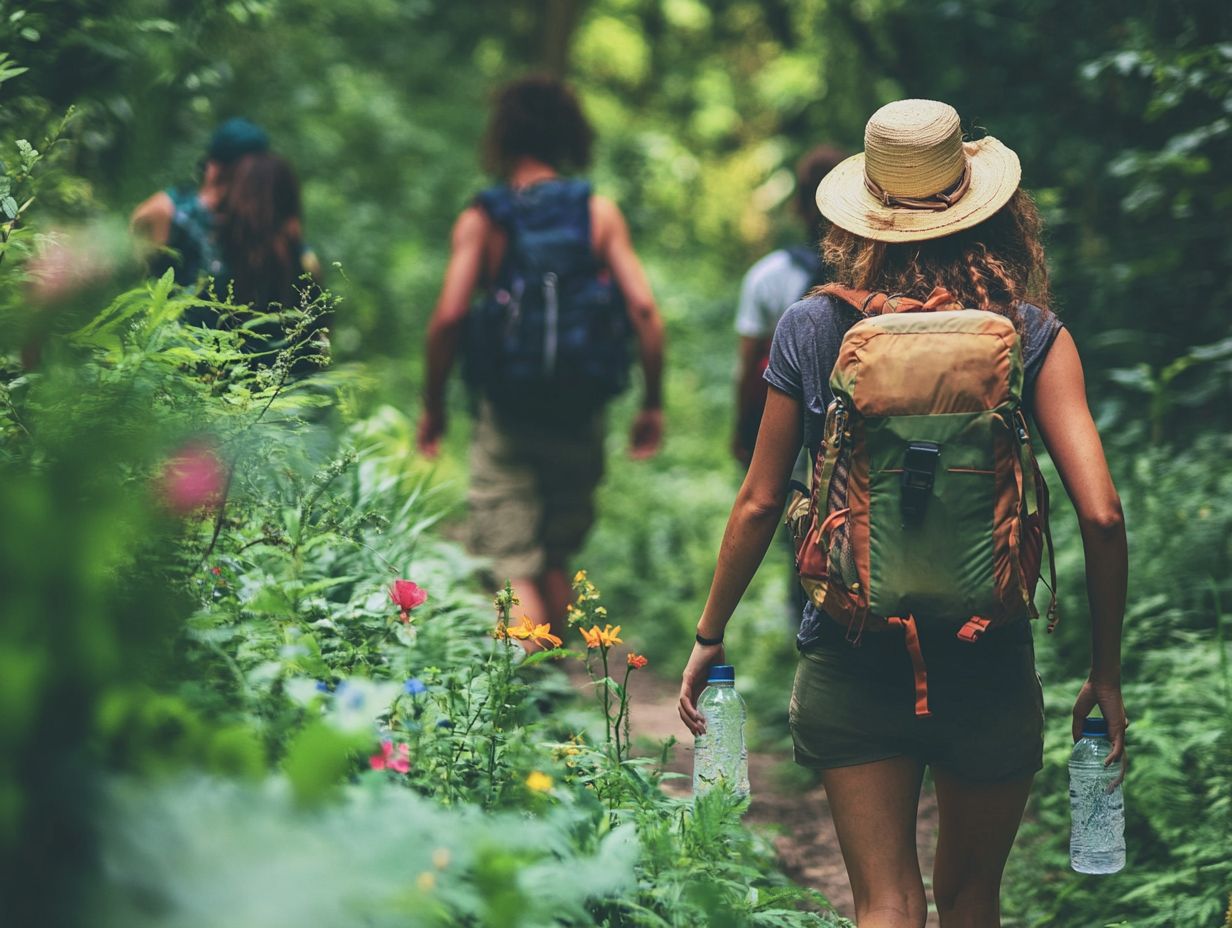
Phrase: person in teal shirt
(179, 225)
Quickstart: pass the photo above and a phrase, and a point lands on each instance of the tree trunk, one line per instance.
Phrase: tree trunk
(558, 20)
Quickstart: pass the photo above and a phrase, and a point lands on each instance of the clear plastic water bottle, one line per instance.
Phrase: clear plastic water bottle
(1097, 815)
(719, 756)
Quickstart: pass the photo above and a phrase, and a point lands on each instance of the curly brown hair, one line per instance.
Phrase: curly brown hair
(995, 265)
(537, 117)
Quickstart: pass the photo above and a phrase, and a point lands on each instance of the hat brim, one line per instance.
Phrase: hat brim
(845, 201)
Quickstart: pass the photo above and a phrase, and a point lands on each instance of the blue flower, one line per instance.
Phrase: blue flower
(414, 686)
(322, 687)
(350, 696)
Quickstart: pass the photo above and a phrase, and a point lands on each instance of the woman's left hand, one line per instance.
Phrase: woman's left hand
(1108, 697)
(693, 681)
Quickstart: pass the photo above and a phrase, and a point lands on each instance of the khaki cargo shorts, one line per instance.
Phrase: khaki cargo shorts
(532, 492)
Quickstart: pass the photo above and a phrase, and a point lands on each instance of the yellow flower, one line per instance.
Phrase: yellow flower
(608, 635)
(426, 881)
(579, 577)
(594, 637)
(440, 858)
(539, 782)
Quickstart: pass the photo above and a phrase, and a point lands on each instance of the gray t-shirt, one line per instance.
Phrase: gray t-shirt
(802, 356)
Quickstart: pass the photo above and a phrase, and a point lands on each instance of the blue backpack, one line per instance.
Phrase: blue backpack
(550, 340)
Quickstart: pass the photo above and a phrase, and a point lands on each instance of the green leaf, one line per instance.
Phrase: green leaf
(540, 656)
(29, 154)
(317, 760)
(9, 205)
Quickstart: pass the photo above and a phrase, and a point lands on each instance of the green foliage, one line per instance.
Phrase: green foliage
(122, 650)
(1178, 694)
(197, 554)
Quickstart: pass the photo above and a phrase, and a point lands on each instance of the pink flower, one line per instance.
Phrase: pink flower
(406, 596)
(71, 262)
(398, 760)
(193, 479)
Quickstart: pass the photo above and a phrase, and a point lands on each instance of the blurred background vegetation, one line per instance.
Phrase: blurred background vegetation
(1119, 111)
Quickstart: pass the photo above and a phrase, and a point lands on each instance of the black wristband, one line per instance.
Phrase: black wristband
(709, 642)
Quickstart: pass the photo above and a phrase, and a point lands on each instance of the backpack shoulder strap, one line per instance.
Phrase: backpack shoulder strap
(498, 203)
(870, 303)
(857, 299)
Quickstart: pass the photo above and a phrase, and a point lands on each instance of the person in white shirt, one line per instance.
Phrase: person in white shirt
(770, 286)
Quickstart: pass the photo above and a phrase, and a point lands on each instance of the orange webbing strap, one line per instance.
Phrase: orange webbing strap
(912, 640)
(973, 628)
(836, 518)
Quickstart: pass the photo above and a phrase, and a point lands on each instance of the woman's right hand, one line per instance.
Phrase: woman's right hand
(693, 681)
(1108, 697)
(431, 430)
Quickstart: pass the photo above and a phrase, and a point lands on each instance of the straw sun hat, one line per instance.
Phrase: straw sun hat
(916, 179)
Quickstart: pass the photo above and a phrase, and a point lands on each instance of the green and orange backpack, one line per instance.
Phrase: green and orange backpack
(927, 506)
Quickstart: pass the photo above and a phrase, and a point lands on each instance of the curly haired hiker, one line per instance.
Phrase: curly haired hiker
(546, 346)
(913, 383)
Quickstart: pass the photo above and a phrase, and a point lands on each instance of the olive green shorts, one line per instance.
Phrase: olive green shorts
(532, 491)
(857, 705)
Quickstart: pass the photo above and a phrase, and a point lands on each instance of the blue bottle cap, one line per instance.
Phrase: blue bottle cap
(1094, 727)
(722, 673)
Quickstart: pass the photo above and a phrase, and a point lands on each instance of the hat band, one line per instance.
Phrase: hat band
(938, 201)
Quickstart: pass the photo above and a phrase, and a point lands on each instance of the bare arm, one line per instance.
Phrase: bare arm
(151, 220)
(750, 529)
(445, 329)
(1068, 431)
(750, 395)
(615, 248)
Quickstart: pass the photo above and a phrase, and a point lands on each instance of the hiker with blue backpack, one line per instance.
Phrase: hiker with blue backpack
(917, 382)
(545, 347)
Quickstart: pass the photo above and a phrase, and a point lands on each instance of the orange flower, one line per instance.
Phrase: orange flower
(605, 638)
(529, 631)
(637, 661)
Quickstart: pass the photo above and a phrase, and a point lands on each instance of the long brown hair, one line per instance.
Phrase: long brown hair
(259, 230)
(995, 265)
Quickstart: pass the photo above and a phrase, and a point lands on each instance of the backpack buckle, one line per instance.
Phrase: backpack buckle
(919, 475)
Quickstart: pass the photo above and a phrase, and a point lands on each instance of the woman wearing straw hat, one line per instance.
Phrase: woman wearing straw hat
(919, 212)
